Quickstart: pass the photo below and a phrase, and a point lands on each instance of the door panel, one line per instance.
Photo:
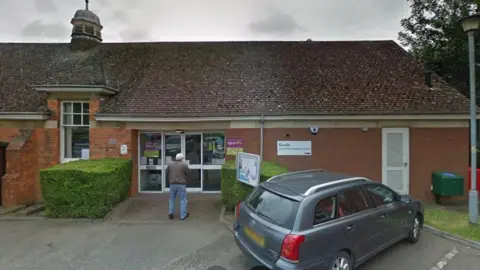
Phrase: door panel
(400, 215)
(191, 146)
(395, 159)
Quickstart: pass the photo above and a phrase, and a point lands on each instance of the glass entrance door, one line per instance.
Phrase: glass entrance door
(190, 145)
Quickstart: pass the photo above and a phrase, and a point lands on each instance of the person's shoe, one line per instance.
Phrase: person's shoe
(186, 216)
(170, 216)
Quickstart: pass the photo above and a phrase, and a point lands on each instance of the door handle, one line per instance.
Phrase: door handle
(405, 164)
(350, 227)
(382, 215)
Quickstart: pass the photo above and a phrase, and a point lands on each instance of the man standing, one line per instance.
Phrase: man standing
(177, 173)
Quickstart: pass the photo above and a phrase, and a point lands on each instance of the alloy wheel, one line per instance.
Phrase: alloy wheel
(341, 264)
(416, 228)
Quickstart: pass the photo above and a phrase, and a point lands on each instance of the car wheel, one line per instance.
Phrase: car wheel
(341, 261)
(415, 230)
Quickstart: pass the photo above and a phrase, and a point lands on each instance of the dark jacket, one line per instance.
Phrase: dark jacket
(177, 173)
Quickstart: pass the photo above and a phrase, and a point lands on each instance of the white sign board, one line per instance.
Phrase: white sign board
(294, 148)
(85, 154)
(248, 169)
(123, 149)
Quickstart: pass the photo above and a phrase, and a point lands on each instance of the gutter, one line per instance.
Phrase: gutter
(23, 116)
(75, 88)
(121, 118)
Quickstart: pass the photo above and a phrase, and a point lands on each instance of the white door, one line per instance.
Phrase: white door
(395, 159)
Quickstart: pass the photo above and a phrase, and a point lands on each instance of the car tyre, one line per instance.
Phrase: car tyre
(415, 230)
(341, 261)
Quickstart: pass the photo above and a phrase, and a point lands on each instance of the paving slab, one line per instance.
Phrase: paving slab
(154, 209)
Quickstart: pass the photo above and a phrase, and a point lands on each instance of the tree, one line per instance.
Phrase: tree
(432, 33)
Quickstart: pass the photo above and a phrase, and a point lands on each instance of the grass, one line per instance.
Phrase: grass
(453, 222)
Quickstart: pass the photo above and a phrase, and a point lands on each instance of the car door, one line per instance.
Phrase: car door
(397, 213)
(362, 224)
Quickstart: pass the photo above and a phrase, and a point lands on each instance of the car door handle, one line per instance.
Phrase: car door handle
(350, 227)
(382, 215)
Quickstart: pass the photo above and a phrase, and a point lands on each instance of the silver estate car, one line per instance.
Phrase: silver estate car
(323, 220)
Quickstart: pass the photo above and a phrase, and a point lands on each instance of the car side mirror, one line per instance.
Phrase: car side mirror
(405, 199)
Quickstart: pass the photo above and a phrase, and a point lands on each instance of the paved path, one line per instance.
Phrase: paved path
(430, 252)
(199, 243)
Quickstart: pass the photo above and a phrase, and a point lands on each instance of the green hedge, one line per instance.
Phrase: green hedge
(234, 191)
(85, 188)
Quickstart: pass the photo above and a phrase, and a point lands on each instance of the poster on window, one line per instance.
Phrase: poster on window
(234, 146)
(248, 169)
(152, 149)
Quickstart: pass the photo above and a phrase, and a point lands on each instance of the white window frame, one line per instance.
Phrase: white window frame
(62, 127)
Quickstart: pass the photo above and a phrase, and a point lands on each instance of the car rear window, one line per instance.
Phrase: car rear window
(272, 207)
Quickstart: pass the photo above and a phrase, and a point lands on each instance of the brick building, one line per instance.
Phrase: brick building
(377, 113)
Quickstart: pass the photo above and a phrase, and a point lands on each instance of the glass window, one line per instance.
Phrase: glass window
(212, 180)
(151, 180)
(76, 130)
(274, 208)
(380, 195)
(325, 210)
(350, 202)
(193, 149)
(214, 148)
(150, 149)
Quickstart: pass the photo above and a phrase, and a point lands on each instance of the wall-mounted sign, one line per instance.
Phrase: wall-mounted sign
(234, 146)
(248, 168)
(294, 148)
(123, 149)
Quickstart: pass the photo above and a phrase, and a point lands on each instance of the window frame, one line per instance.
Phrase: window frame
(335, 207)
(370, 205)
(374, 205)
(63, 126)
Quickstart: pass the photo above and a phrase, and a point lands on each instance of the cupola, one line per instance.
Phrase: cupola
(87, 29)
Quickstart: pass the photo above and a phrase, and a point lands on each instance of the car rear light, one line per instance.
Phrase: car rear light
(237, 210)
(291, 247)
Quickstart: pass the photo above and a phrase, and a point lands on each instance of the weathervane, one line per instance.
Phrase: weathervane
(86, 3)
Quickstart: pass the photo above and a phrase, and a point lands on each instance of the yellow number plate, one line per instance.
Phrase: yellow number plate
(255, 237)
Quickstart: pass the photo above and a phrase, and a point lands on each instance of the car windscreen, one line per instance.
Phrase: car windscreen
(274, 208)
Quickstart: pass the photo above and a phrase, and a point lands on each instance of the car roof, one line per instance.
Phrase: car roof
(307, 182)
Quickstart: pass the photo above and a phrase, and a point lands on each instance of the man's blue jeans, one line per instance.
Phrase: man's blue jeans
(181, 191)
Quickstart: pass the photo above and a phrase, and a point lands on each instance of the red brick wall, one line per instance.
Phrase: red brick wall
(353, 151)
(433, 149)
(20, 185)
(7, 134)
(134, 187)
(106, 142)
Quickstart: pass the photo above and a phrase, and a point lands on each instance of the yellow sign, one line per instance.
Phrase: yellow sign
(255, 237)
(233, 151)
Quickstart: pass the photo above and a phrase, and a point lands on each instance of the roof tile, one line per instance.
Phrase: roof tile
(231, 78)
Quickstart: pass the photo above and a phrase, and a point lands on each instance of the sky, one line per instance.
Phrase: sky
(206, 20)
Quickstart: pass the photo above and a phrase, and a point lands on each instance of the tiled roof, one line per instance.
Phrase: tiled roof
(231, 78)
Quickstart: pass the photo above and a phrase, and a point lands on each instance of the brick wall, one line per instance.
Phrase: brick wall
(433, 149)
(356, 152)
(8, 134)
(20, 184)
(106, 142)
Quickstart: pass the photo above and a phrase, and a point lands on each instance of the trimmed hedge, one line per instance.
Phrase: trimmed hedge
(234, 191)
(85, 188)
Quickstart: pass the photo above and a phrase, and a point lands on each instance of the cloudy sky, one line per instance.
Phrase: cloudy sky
(189, 20)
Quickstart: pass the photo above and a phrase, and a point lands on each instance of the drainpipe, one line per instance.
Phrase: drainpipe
(261, 138)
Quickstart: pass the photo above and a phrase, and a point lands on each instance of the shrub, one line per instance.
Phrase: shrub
(85, 188)
(234, 191)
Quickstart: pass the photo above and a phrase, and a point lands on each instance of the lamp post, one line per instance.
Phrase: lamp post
(470, 25)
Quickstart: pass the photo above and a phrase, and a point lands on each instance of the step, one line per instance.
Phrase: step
(11, 210)
(30, 210)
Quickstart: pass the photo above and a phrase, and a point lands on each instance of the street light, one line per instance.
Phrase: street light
(470, 25)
